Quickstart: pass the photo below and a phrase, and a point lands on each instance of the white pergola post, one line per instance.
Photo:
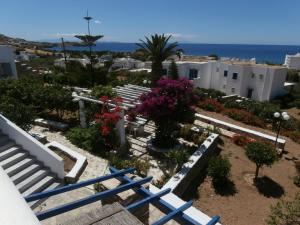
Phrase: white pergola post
(121, 128)
(82, 115)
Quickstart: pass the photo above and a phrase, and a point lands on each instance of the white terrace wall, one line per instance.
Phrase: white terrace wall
(14, 209)
(33, 146)
(190, 170)
(240, 130)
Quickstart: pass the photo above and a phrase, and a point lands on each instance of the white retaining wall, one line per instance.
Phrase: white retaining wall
(240, 130)
(177, 202)
(33, 146)
(14, 209)
(191, 169)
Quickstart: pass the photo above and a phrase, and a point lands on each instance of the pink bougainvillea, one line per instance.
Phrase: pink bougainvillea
(170, 102)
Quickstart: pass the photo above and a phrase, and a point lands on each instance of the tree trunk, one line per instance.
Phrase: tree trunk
(157, 70)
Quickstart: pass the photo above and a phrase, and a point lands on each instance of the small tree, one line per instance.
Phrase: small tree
(173, 70)
(219, 170)
(261, 154)
(285, 212)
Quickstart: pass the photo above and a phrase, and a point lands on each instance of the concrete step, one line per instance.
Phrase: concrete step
(9, 144)
(35, 203)
(9, 152)
(40, 186)
(25, 173)
(13, 159)
(32, 180)
(20, 166)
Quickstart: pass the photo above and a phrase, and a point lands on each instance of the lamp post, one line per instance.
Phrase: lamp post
(279, 119)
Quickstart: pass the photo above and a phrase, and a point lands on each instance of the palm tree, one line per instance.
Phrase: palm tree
(157, 49)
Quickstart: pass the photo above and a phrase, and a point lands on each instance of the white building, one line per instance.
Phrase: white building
(7, 62)
(128, 63)
(292, 61)
(61, 62)
(25, 56)
(248, 79)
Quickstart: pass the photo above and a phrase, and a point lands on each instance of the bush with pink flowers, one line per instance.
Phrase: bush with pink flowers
(169, 103)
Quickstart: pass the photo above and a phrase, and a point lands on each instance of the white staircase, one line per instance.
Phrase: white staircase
(27, 173)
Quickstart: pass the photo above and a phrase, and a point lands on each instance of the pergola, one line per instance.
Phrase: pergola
(129, 93)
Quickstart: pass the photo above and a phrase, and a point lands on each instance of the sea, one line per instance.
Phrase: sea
(262, 53)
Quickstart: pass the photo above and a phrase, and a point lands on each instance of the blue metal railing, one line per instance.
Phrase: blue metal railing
(155, 199)
(90, 199)
(71, 187)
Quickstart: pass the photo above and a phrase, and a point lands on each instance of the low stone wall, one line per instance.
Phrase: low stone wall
(191, 169)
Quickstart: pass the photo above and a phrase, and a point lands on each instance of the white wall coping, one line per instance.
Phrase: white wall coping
(176, 202)
(246, 130)
(33, 146)
(80, 163)
(178, 177)
(14, 208)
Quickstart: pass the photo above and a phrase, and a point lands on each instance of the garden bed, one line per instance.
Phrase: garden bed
(244, 203)
(74, 163)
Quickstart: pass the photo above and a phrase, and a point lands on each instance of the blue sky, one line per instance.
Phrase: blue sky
(196, 21)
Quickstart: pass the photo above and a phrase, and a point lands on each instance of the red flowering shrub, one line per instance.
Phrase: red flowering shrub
(241, 140)
(108, 118)
(211, 104)
(167, 104)
(245, 117)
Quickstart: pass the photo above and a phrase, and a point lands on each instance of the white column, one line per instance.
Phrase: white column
(82, 114)
(121, 128)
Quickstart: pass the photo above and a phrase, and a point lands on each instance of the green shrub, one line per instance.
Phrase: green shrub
(89, 139)
(179, 156)
(186, 132)
(100, 90)
(219, 170)
(141, 166)
(285, 212)
(21, 114)
(261, 154)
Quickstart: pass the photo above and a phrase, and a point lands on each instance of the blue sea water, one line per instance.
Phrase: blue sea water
(262, 53)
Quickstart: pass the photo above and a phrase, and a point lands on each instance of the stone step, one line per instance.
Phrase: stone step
(25, 173)
(13, 159)
(20, 166)
(32, 180)
(9, 144)
(40, 186)
(35, 203)
(9, 152)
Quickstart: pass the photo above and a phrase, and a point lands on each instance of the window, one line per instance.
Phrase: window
(217, 69)
(164, 72)
(234, 76)
(261, 76)
(253, 75)
(224, 86)
(225, 73)
(193, 74)
(232, 90)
